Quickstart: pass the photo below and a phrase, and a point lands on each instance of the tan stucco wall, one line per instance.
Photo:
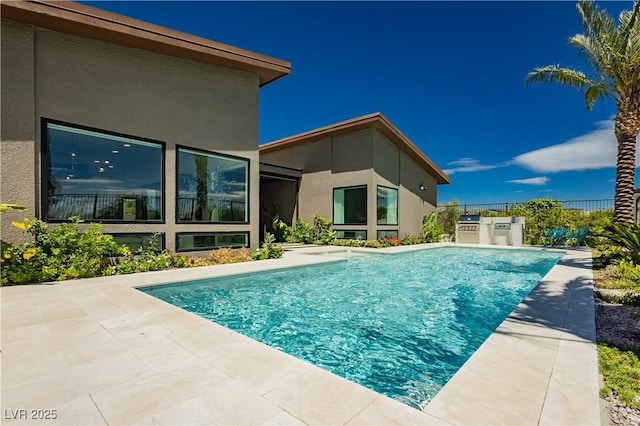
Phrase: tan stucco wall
(365, 157)
(18, 126)
(394, 168)
(130, 91)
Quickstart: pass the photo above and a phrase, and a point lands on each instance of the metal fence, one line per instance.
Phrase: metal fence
(583, 206)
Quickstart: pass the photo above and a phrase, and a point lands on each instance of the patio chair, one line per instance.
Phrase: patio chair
(555, 236)
(578, 237)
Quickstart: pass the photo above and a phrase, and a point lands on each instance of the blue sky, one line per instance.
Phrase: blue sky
(449, 75)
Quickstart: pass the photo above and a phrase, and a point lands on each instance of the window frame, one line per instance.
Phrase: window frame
(247, 220)
(44, 172)
(397, 205)
(194, 233)
(366, 204)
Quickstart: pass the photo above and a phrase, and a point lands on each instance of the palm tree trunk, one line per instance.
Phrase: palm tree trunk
(627, 127)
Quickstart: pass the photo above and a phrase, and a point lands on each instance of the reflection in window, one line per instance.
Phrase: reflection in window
(351, 235)
(387, 206)
(100, 176)
(140, 241)
(350, 206)
(211, 188)
(186, 241)
(387, 234)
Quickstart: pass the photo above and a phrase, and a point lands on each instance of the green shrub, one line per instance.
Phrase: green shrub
(300, 232)
(621, 373)
(268, 250)
(58, 253)
(430, 228)
(625, 236)
(408, 240)
(449, 217)
(322, 230)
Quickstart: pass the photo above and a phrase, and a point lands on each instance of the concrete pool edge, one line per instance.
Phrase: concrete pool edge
(110, 320)
(540, 364)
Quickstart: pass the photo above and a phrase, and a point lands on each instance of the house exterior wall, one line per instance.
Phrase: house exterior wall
(143, 94)
(394, 168)
(363, 157)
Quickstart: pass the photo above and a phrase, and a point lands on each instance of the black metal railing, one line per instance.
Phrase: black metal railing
(215, 210)
(582, 206)
(123, 207)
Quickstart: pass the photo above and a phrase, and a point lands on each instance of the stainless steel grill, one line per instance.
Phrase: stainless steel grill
(468, 229)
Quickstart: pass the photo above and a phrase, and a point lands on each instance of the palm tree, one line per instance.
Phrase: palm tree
(613, 54)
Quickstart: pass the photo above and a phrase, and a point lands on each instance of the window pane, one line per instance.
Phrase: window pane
(209, 240)
(98, 176)
(137, 241)
(387, 234)
(211, 188)
(387, 206)
(350, 206)
(351, 235)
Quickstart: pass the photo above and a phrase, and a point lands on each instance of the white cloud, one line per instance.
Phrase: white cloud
(594, 150)
(467, 164)
(542, 180)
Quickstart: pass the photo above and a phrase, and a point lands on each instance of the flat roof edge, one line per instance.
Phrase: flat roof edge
(89, 22)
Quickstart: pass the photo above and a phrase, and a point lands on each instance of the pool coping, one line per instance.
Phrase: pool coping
(98, 351)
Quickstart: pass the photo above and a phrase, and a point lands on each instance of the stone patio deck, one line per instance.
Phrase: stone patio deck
(98, 351)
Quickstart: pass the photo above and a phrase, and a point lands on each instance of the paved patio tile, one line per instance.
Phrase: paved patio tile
(235, 403)
(261, 367)
(138, 400)
(320, 397)
(284, 419)
(386, 411)
(472, 400)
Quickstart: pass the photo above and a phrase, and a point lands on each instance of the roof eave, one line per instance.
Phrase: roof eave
(85, 21)
(376, 121)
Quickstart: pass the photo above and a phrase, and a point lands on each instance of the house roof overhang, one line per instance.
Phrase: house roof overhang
(372, 121)
(275, 172)
(85, 21)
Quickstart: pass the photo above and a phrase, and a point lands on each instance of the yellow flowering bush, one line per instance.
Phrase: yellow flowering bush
(62, 252)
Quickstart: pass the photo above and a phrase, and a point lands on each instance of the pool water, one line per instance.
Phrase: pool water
(399, 324)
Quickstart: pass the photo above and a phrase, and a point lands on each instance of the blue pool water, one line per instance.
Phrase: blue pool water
(401, 324)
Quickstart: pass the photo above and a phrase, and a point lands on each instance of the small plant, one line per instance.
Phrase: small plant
(626, 236)
(322, 230)
(621, 372)
(268, 250)
(408, 240)
(449, 217)
(228, 255)
(430, 229)
(300, 232)
(11, 207)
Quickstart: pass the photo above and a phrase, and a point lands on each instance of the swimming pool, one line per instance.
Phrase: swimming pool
(400, 324)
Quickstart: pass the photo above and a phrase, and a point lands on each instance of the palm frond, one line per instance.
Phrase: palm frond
(557, 74)
(595, 92)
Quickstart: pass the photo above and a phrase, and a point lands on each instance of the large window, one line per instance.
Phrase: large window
(212, 187)
(387, 202)
(350, 206)
(100, 176)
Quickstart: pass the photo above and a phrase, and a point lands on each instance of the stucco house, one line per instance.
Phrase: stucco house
(363, 174)
(150, 130)
(140, 127)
